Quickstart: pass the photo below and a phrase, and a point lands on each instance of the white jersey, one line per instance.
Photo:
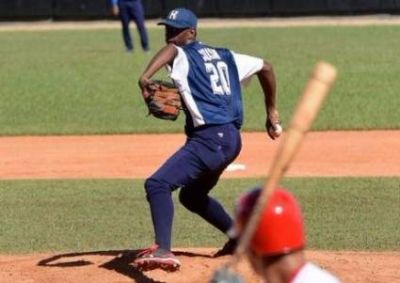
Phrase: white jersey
(310, 273)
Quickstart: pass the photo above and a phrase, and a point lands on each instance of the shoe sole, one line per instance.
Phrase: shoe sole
(169, 265)
(221, 255)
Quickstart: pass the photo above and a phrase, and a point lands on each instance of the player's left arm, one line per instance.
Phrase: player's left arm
(165, 56)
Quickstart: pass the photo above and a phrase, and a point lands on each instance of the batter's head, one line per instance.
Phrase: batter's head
(280, 229)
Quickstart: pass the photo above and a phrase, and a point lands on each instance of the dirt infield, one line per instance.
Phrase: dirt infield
(373, 153)
(197, 267)
(352, 153)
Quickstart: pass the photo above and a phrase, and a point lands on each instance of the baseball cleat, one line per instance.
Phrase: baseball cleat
(156, 258)
(228, 249)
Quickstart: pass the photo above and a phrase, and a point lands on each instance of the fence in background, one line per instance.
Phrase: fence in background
(99, 9)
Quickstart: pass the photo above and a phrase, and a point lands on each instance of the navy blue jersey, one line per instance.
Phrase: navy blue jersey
(209, 81)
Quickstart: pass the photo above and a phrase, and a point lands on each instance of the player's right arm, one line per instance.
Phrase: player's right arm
(248, 66)
(164, 57)
(266, 77)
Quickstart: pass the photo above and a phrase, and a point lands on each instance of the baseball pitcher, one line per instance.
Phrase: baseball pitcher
(208, 80)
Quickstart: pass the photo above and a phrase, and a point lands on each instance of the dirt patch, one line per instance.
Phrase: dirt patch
(197, 267)
(137, 156)
(322, 154)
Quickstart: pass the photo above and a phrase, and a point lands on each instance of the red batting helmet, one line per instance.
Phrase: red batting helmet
(280, 228)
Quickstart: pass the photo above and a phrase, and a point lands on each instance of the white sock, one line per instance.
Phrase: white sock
(231, 233)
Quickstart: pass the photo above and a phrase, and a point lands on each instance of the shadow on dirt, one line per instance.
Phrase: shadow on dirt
(121, 263)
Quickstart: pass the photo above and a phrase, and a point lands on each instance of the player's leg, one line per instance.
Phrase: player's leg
(226, 141)
(196, 165)
(124, 10)
(185, 168)
(206, 152)
(139, 19)
(177, 171)
(196, 199)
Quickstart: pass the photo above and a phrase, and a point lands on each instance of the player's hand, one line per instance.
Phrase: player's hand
(273, 124)
(115, 10)
(146, 87)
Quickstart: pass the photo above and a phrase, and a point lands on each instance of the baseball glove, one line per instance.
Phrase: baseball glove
(164, 101)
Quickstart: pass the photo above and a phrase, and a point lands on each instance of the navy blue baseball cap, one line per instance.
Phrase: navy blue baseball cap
(180, 18)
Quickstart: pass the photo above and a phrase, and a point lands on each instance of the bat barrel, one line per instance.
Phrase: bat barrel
(315, 91)
(324, 72)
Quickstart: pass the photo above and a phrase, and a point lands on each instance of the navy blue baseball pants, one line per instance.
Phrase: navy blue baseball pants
(132, 10)
(195, 168)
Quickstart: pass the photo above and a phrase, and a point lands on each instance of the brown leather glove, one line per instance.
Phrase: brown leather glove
(164, 101)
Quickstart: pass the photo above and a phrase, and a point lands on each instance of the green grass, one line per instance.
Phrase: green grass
(37, 216)
(82, 82)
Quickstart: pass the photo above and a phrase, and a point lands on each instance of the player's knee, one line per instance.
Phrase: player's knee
(154, 186)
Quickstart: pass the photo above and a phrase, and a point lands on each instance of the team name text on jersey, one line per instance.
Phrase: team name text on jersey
(209, 54)
(217, 70)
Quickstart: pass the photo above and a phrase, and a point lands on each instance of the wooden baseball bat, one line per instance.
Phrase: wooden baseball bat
(317, 88)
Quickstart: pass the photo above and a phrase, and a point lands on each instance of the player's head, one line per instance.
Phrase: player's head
(280, 229)
(180, 26)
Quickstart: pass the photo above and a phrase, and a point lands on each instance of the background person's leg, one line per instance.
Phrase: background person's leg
(138, 17)
(125, 19)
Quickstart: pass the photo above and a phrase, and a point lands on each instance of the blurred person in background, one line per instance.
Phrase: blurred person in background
(131, 10)
(276, 250)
